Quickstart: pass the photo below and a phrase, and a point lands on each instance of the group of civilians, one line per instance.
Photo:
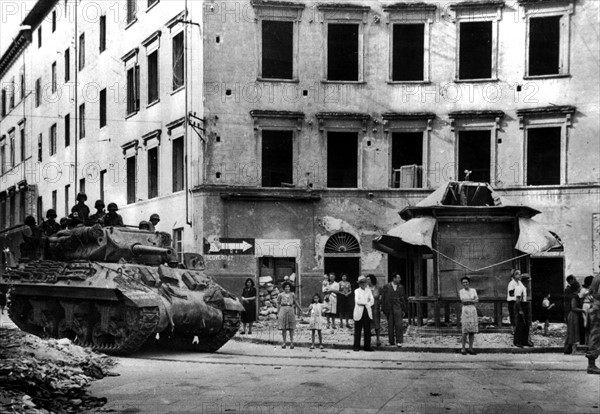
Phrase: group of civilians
(337, 299)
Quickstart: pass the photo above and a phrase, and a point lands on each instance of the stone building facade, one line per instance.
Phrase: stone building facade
(96, 101)
(324, 119)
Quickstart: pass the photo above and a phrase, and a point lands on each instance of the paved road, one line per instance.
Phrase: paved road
(253, 378)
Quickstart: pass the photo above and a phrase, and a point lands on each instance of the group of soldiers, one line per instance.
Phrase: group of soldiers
(79, 216)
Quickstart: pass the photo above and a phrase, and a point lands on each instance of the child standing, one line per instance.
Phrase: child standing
(546, 305)
(315, 311)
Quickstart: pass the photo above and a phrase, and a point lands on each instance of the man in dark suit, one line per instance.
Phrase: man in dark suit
(393, 305)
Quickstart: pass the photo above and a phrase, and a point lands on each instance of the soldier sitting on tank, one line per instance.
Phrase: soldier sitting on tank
(144, 225)
(74, 220)
(82, 210)
(64, 223)
(112, 218)
(31, 246)
(154, 219)
(50, 226)
(98, 215)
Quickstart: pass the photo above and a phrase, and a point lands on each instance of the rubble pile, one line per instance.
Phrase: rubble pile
(267, 293)
(42, 376)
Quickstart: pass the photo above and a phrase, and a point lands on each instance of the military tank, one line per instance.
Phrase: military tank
(114, 289)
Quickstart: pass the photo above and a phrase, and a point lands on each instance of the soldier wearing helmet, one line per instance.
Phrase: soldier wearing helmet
(154, 219)
(98, 215)
(112, 218)
(30, 248)
(144, 225)
(50, 226)
(83, 211)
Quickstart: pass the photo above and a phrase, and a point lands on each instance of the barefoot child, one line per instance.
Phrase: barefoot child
(315, 311)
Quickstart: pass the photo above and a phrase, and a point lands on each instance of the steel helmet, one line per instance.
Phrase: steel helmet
(154, 217)
(51, 213)
(99, 204)
(82, 195)
(112, 207)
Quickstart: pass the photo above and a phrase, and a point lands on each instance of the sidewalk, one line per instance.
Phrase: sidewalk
(415, 340)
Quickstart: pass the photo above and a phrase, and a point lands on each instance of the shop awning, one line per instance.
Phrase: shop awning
(417, 231)
(534, 238)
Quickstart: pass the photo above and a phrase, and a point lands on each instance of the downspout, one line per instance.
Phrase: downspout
(76, 118)
(187, 65)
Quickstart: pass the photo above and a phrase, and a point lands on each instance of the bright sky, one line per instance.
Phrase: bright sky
(12, 14)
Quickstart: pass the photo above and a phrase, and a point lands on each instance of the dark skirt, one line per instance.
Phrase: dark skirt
(575, 329)
(249, 313)
(521, 336)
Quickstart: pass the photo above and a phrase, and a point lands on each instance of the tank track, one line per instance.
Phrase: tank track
(186, 342)
(143, 326)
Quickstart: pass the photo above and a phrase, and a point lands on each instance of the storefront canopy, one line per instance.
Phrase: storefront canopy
(534, 238)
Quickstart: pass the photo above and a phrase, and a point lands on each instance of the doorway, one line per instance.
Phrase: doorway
(348, 265)
(547, 275)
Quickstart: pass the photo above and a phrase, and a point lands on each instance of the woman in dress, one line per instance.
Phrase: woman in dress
(372, 283)
(469, 321)
(332, 290)
(345, 301)
(285, 313)
(575, 329)
(249, 302)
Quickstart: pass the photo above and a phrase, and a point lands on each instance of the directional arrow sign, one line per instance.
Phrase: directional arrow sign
(230, 246)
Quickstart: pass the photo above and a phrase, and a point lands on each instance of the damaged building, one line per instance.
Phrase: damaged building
(325, 119)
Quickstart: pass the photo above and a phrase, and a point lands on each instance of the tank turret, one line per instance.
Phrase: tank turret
(115, 288)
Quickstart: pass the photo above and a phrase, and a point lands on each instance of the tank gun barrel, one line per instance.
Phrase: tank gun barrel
(141, 249)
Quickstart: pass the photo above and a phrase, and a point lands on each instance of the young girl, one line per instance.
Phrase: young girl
(546, 306)
(315, 311)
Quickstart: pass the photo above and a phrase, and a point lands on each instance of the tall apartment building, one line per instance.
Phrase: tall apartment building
(325, 119)
(94, 100)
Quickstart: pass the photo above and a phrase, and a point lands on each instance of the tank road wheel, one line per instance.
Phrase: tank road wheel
(126, 336)
(231, 324)
(20, 312)
(109, 340)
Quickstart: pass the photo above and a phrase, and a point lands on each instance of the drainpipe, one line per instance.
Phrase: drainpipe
(187, 44)
(76, 118)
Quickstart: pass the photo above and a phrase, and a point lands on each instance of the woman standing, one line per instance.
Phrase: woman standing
(331, 291)
(575, 329)
(372, 283)
(469, 321)
(285, 313)
(249, 301)
(345, 301)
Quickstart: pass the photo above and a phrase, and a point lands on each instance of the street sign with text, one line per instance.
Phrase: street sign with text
(230, 246)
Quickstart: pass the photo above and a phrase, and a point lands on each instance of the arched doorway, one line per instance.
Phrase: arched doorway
(342, 255)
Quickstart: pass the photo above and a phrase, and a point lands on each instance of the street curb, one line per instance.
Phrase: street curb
(533, 350)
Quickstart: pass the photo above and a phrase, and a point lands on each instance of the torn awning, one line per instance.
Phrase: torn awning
(417, 231)
(534, 238)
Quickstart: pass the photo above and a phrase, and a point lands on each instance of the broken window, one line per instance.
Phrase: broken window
(277, 158)
(474, 154)
(153, 172)
(178, 178)
(102, 108)
(153, 77)
(475, 60)
(133, 88)
(342, 52)
(544, 45)
(407, 54)
(277, 49)
(178, 61)
(543, 156)
(342, 159)
(407, 159)
(131, 178)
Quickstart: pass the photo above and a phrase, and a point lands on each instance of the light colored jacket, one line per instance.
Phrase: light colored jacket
(363, 298)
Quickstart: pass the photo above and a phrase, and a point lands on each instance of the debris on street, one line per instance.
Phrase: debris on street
(47, 375)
